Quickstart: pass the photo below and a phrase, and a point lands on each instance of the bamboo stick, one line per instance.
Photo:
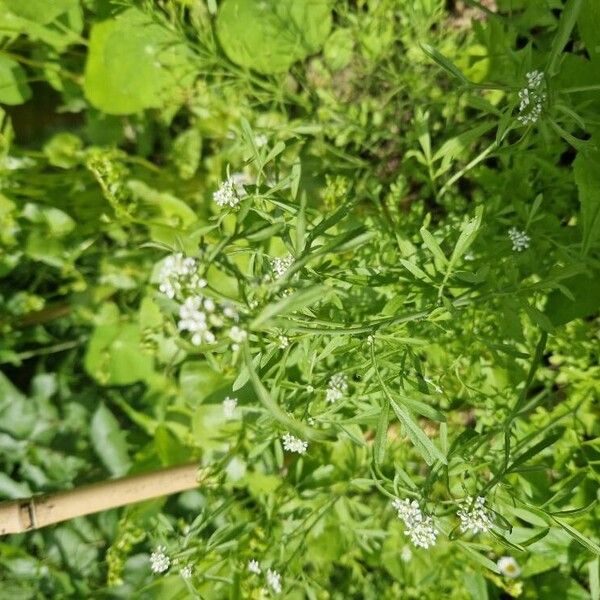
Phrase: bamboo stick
(32, 513)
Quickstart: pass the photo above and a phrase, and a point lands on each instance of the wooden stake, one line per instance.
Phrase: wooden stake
(32, 513)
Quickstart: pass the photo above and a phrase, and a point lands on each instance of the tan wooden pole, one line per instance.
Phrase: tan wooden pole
(27, 514)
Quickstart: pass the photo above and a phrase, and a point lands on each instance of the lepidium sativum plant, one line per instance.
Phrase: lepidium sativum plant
(342, 256)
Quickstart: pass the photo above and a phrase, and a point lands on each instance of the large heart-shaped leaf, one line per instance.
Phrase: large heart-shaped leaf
(270, 35)
(134, 63)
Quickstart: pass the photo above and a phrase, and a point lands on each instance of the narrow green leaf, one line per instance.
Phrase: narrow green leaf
(295, 301)
(433, 247)
(381, 435)
(428, 450)
(444, 63)
(579, 537)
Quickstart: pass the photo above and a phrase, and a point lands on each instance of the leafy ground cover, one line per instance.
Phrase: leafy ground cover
(344, 255)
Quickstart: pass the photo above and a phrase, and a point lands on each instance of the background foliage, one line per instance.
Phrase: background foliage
(377, 147)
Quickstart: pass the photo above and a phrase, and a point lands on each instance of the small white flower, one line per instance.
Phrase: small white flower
(509, 567)
(186, 572)
(178, 275)
(520, 240)
(406, 554)
(337, 387)
(473, 515)
(254, 567)
(159, 561)
(229, 406)
(195, 320)
(231, 191)
(283, 342)
(532, 98)
(237, 334)
(274, 580)
(261, 140)
(419, 527)
(294, 444)
(280, 266)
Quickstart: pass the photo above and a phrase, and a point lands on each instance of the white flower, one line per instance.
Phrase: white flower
(261, 140)
(509, 567)
(283, 341)
(473, 515)
(419, 527)
(229, 406)
(520, 240)
(178, 275)
(337, 388)
(293, 444)
(186, 572)
(231, 191)
(194, 319)
(237, 334)
(274, 580)
(532, 98)
(406, 554)
(281, 265)
(254, 567)
(159, 561)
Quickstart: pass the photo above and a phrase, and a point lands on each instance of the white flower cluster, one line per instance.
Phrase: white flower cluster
(294, 444)
(273, 577)
(229, 406)
(509, 567)
(231, 191)
(159, 561)
(419, 527)
(520, 240)
(203, 319)
(186, 572)
(532, 98)
(281, 265)
(178, 276)
(274, 581)
(337, 387)
(473, 515)
(254, 567)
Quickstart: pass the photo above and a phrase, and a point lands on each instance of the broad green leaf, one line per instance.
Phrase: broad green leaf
(114, 355)
(14, 88)
(271, 35)
(17, 413)
(476, 586)
(338, 49)
(586, 300)
(38, 11)
(587, 177)
(109, 441)
(589, 18)
(133, 63)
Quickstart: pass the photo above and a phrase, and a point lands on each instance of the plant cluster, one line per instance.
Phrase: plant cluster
(345, 256)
